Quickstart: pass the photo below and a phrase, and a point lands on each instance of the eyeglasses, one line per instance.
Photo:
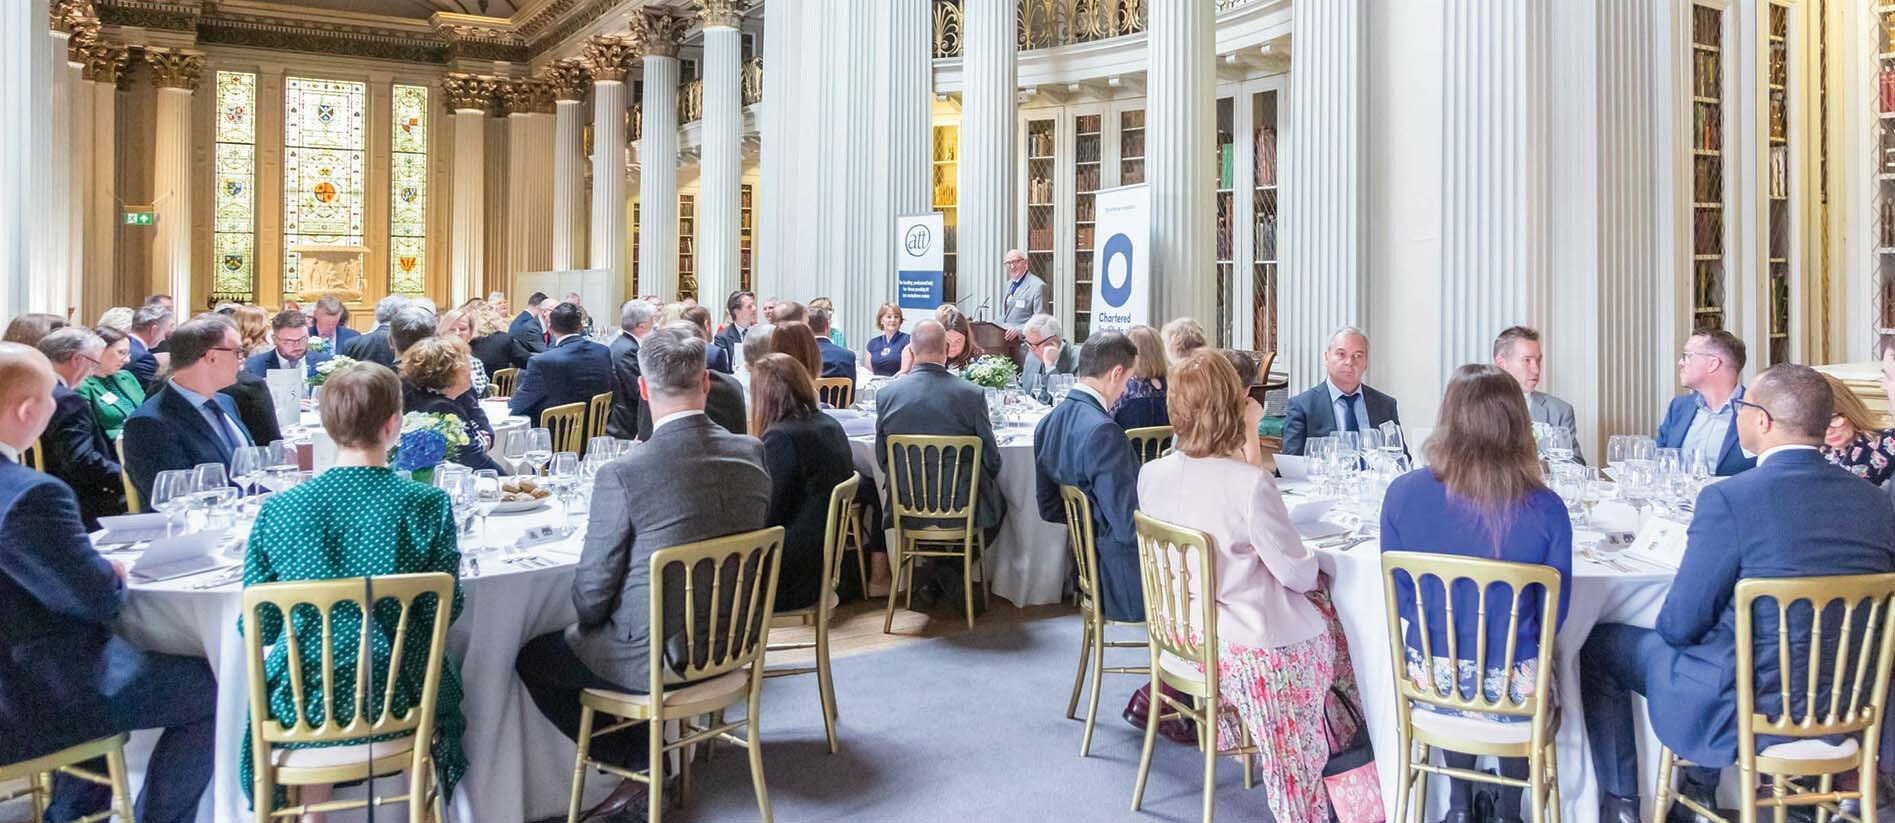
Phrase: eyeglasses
(230, 349)
(1688, 354)
(1740, 405)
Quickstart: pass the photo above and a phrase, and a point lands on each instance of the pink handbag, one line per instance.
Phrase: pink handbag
(1349, 778)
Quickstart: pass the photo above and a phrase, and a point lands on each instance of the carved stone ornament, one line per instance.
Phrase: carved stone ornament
(468, 91)
(527, 97)
(634, 123)
(72, 15)
(659, 34)
(568, 79)
(607, 57)
(175, 69)
(725, 13)
(105, 62)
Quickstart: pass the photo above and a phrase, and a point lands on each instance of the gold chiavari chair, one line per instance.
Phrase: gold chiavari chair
(374, 741)
(1179, 575)
(597, 411)
(1150, 442)
(35, 455)
(729, 592)
(817, 616)
(1839, 697)
(1430, 578)
(925, 474)
(838, 392)
(125, 479)
(504, 381)
(853, 541)
(568, 426)
(1092, 643)
(38, 774)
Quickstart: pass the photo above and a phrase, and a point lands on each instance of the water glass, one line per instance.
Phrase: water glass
(1558, 444)
(486, 496)
(217, 502)
(247, 465)
(996, 403)
(515, 450)
(171, 492)
(563, 473)
(539, 448)
(600, 444)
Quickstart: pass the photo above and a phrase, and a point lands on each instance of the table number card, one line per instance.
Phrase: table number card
(1660, 542)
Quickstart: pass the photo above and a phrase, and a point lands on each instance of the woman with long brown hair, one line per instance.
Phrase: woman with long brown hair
(1277, 655)
(797, 340)
(253, 325)
(961, 348)
(807, 454)
(1854, 441)
(1480, 496)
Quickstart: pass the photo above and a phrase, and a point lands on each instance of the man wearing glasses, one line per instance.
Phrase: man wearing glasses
(1047, 354)
(1026, 296)
(188, 422)
(1701, 422)
(74, 444)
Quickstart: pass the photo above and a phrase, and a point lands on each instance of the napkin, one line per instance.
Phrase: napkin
(1292, 467)
(179, 556)
(1660, 542)
(131, 528)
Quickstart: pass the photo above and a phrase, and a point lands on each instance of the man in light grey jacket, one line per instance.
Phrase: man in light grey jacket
(1517, 352)
(690, 481)
(1047, 353)
(1025, 296)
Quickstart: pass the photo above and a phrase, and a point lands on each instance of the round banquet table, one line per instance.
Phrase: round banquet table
(519, 765)
(499, 419)
(1600, 594)
(1029, 559)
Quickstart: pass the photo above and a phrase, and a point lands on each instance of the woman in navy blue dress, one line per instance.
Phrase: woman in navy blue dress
(885, 349)
(1143, 403)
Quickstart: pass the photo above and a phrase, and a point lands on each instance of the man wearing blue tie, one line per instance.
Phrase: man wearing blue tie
(1342, 402)
(188, 422)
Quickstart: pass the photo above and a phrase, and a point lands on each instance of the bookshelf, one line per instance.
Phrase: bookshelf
(1041, 222)
(1777, 209)
(1708, 258)
(1883, 205)
(1263, 285)
(946, 188)
(687, 246)
(746, 230)
(1131, 147)
(634, 266)
(1088, 160)
(1226, 215)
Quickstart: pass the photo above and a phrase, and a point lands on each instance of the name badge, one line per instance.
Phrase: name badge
(109, 398)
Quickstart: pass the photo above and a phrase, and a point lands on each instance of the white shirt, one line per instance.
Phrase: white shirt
(1783, 448)
(1081, 387)
(660, 422)
(9, 452)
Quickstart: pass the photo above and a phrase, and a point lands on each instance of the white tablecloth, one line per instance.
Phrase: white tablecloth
(519, 765)
(1599, 595)
(1029, 559)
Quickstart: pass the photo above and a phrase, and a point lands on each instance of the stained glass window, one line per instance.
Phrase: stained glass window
(234, 204)
(323, 166)
(408, 193)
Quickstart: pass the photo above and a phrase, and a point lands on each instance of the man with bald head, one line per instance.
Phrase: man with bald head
(1342, 402)
(930, 400)
(65, 678)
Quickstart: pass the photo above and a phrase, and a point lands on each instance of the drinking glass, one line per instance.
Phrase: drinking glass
(996, 403)
(1618, 448)
(1638, 483)
(486, 497)
(515, 450)
(599, 444)
(171, 492)
(1592, 491)
(564, 475)
(1559, 444)
(539, 448)
(1569, 482)
(1319, 453)
(246, 466)
(216, 501)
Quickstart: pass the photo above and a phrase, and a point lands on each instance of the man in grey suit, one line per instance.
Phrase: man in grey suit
(1517, 352)
(932, 401)
(1047, 353)
(1026, 296)
(691, 481)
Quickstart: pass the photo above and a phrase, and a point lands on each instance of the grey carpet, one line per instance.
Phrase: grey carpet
(969, 727)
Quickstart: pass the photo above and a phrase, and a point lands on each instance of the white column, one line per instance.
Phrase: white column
(606, 59)
(103, 65)
(1180, 127)
(569, 174)
(176, 75)
(987, 154)
(79, 165)
(721, 161)
(51, 282)
(529, 178)
(782, 57)
(469, 96)
(911, 115)
(658, 157)
(24, 46)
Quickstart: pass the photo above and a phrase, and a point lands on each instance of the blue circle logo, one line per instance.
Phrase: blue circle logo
(1116, 290)
(917, 241)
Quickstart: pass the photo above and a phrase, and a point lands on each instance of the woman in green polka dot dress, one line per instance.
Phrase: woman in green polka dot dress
(359, 519)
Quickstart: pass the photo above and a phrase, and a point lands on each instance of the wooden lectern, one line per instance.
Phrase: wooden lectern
(992, 339)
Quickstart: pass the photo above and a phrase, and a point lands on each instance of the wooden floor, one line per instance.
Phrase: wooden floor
(856, 628)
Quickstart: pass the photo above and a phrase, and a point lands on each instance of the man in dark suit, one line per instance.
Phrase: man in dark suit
(374, 347)
(1342, 402)
(572, 371)
(690, 481)
(289, 333)
(329, 322)
(1079, 445)
(529, 330)
(836, 360)
(151, 324)
(741, 310)
(189, 421)
(1795, 515)
(635, 323)
(1704, 421)
(65, 678)
(76, 449)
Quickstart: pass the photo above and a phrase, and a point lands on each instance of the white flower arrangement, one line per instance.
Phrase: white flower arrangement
(329, 367)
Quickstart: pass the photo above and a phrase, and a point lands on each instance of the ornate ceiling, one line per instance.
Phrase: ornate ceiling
(418, 9)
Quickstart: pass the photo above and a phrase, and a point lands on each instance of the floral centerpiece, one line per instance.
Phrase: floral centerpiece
(328, 367)
(427, 439)
(318, 344)
(992, 371)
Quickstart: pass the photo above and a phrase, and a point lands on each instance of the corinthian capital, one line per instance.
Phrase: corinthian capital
(659, 34)
(725, 13)
(468, 92)
(527, 97)
(569, 79)
(104, 62)
(607, 57)
(72, 15)
(175, 69)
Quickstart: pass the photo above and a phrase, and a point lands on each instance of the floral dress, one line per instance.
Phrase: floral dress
(356, 521)
(1871, 456)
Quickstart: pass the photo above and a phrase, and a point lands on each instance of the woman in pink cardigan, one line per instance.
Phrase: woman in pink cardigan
(1276, 654)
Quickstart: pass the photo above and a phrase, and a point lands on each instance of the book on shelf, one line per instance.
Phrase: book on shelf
(1226, 165)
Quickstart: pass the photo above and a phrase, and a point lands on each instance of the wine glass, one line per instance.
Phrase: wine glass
(599, 444)
(1618, 448)
(246, 464)
(1592, 491)
(486, 496)
(539, 448)
(564, 475)
(216, 501)
(171, 492)
(515, 451)
(1559, 444)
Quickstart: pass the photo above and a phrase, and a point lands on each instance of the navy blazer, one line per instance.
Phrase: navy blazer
(836, 360)
(1077, 444)
(572, 371)
(374, 347)
(143, 364)
(259, 365)
(529, 338)
(343, 335)
(622, 423)
(78, 453)
(724, 405)
(718, 360)
(479, 431)
(58, 599)
(731, 340)
(1730, 458)
(169, 433)
(1313, 414)
(1794, 516)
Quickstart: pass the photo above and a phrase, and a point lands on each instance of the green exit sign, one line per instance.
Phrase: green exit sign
(140, 217)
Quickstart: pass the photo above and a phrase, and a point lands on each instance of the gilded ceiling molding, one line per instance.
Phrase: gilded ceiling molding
(465, 92)
(659, 34)
(105, 62)
(607, 57)
(163, 15)
(175, 69)
(542, 37)
(72, 16)
(722, 13)
(527, 96)
(569, 79)
(475, 42)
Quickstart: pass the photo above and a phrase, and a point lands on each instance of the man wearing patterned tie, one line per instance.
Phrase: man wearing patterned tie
(1342, 402)
(187, 422)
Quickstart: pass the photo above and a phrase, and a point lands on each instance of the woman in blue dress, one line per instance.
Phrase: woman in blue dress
(885, 349)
